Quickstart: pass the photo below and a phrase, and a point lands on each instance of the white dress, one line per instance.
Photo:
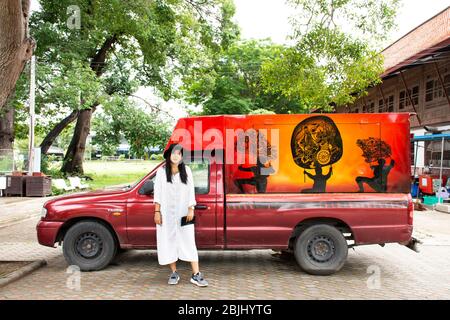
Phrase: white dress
(174, 241)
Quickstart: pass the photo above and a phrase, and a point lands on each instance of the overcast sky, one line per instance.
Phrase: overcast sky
(261, 19)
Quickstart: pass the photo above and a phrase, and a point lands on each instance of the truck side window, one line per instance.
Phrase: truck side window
(142, 190)
(200, 171)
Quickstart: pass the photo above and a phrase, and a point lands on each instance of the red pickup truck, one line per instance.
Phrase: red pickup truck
(313, 185)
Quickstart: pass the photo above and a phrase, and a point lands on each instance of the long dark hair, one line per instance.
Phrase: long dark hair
(181, 165)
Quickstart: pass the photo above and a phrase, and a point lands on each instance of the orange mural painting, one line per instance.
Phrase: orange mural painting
(305, 153)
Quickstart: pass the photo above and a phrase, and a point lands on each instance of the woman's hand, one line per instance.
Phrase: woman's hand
(190, 215)
(158, 218)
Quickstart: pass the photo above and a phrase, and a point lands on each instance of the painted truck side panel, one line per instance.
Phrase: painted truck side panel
(268, 221)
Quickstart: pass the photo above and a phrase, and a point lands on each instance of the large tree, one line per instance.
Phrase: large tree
(151, 43)
(232, 83)
(335, 55)
(16, 48)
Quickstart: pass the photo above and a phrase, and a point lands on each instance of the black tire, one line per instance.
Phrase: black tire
(321, 250)
(89, 245)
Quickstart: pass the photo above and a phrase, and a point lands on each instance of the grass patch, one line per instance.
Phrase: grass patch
(112, 173)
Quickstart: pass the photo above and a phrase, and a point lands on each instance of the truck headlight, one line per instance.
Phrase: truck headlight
(43, 213)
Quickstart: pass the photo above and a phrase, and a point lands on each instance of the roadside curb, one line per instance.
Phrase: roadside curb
(22, 272)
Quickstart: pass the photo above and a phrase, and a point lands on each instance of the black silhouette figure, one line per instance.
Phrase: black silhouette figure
(379, 180)
(259, 179)
(320, 180)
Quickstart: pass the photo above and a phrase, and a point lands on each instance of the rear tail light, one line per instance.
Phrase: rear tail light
(410, 210)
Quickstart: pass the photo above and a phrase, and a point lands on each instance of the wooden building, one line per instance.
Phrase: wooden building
(416, 80)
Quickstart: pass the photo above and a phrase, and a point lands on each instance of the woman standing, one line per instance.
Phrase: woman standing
(174, 198)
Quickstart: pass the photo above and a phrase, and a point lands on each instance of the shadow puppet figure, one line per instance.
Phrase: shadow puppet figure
(320, 180)
(316, 143)
(259, 178)
(379, 180)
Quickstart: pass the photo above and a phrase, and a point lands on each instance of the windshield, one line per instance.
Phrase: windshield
(130, 186)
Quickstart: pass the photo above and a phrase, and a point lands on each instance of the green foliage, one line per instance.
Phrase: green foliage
(44, 164)
(57, 192)
(154, 41)
(329, 65)
(261, 111)
(232, 84)
(51, 166)
(158, 156)
(122, 118)
(106, 139)
(6, 162)
(63, 140)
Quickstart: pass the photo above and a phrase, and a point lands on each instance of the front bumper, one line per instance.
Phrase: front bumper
(47, 232)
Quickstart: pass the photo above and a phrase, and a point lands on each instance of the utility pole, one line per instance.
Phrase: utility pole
(32, 115)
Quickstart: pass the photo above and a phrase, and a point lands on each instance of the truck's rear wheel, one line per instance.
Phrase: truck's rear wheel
(321, 250)
(89, 245)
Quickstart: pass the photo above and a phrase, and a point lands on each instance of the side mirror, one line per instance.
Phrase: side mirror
(147, 188)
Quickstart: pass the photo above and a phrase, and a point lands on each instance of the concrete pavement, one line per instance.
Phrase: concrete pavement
(371, 272)
(18, 209)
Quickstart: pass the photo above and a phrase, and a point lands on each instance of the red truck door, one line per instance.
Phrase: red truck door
(141, 228)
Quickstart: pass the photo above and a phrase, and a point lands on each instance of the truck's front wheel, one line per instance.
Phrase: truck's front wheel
(89, 245)
(321, 250)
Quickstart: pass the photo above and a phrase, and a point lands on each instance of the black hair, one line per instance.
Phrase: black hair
(181, 165)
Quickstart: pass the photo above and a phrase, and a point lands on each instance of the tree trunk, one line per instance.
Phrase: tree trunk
(73, 160)
(6, 129)
(55, 132)
(15, 47)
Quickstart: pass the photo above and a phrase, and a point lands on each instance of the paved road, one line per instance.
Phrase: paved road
(371, 272)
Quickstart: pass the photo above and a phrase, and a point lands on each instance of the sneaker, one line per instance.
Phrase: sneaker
(198, 280)
(174, 278)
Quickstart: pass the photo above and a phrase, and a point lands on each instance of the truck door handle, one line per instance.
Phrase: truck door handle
(201, 207)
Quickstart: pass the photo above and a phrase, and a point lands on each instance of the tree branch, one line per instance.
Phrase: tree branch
(152, 106)
(98, 61)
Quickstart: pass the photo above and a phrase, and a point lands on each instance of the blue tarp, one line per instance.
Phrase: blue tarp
(432, 137)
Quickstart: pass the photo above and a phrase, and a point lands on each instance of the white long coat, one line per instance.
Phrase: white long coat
(174, 241)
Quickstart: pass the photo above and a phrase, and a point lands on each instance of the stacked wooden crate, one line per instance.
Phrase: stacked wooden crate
(15, 185)
(38, 186)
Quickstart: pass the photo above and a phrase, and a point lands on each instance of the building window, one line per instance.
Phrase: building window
(447, 83)
(381, 105)
(434, 89)
(415, 95)
(390, 104)
(429, 91)
(371, 107)
(404, 100)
